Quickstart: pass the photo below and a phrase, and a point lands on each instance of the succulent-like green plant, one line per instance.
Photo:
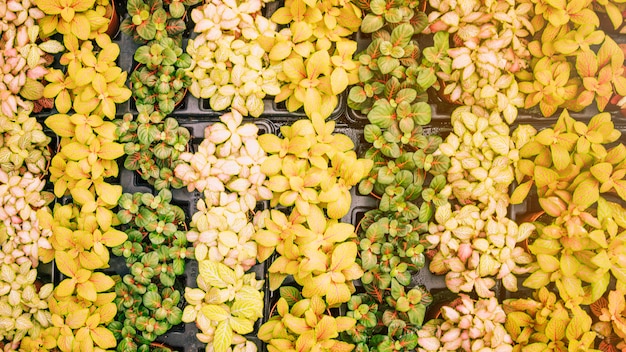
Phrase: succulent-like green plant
(148, 298)
(153, 146)
(160, 81)
(155, 19)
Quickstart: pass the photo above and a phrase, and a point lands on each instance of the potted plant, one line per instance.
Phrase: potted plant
(155, 20)
(544, 321)
(575, 192)
(230, 63)
(78, 19)
(608, 321)
(148, 298)
(153, 146)
(470, 325)
(159, 81)
(304, 322)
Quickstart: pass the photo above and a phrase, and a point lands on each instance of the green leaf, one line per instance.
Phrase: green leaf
(422, 113)
(401, 35)
(371, 23)
(387, 64)
(290, 294)
(152, 300)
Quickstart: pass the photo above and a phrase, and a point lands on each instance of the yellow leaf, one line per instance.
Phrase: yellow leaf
(80, 26)
(110, 150)
(86, 290)
(297, 325)
(312, 101)
(339, 80)
(343, 256)
(93, 321)
(326, 328)
(65, 263)
(75, 151)
(337, 293)
(294, 69)
(215, 312)
(301, 31)
(113, 238)
(61, 125)
(91, 261)
(65, 288)
(108, 193)
(107, 312)
(104, 218)
(270, 143)
(318, 64)
(101, 282)
(103, 337)
(77, 318)
(106, 130)
(82, 196)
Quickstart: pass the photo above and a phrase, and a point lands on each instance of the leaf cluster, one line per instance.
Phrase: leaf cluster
(155, 19)
(160, 81)
(544, 320)
(610, 313)
(312, 165)
(155, 252)
(391, 325)
(327, 264)
(315, 53)
(301, 324)
(153, 146)
(231, 66)
(387, 13)
(225, 305)
(23, 144)
(92, 82)
(77, 19)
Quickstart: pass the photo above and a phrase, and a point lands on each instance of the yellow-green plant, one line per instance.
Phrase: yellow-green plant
(81, 19)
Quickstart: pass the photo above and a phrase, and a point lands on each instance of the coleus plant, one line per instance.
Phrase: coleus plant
(77, 19)
(230, 64)
(308, 154)
(572, 171)
(93, 83)
(543, 321)
(470, 325)
(225, 306)
(24, 63)
(156, 249)
(381, 13)
(159, 81)
(610, 327)
(155, 20)
(324, 263)
(301, 323)
(313, 53)
(21, 236)
(153, 145)
(473, 247)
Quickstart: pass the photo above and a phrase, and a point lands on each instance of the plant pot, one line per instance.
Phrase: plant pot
(114, 20)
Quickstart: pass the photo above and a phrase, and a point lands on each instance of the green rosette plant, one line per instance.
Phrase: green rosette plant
(148, 298)
(160, 81)
(468, 326)
(301, 323)
(225, 306)
(392, 325)
(543, 321)
(381, 13)
(230, 64)
(153, 146)
(155, 20)
(576, 171)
